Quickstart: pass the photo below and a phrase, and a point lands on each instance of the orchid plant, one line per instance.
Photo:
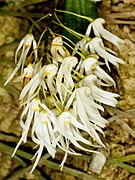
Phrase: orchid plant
(62, 95)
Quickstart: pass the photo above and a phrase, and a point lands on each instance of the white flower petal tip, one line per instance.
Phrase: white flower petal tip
(11, 76)
(100, 31)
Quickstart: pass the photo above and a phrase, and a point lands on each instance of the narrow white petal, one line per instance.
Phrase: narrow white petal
(19, 47)
(88, 31)
(104, 76)
(28, 86)
(70, 100)
(75, 143)
(40, 150)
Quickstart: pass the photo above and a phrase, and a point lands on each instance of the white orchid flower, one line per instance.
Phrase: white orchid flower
(91, 65)
(44, 129)
(98, 94)
(86, 110)
(64, 78)
(69, 128)
(34, 85)
(79, 45)
(57, 50)
(32, 111)
(86, 91)
(96, 46)
(25, 44)
(50, 72)
(28, 73)
(43, 134)
(100, 31)
(38, 81)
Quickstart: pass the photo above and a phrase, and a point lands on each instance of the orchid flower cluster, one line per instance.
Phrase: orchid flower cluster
(62, 96)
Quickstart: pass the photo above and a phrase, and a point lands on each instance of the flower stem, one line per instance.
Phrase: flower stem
(119, 162)
(75, 14)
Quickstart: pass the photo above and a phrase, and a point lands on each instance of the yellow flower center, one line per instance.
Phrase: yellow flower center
(35, 109)
(68, 121)
(27, 44)
(93, 67)
(45, 121)
(43, 111)
(47, 73)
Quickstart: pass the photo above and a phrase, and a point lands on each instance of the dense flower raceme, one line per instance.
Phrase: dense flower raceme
(63, 96)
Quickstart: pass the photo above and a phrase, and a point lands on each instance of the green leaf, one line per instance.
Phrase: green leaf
(82, 7)
(8, 150)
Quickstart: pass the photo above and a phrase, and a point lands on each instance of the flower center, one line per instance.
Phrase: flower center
(45, 121)
(93, 67)
(68, 121)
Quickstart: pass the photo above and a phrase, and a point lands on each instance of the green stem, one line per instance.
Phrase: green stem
(71, 42)
(9, 138)
(119, 162)
(127, 167)
(122, 159)
(8, 150)
(81, 55)
(35, 23)
(76, 34)
(75, 14)
(81, 76)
